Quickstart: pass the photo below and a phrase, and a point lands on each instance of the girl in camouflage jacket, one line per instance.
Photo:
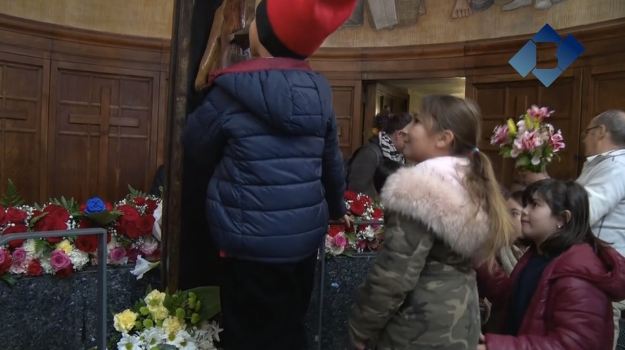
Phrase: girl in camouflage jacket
(421, 292)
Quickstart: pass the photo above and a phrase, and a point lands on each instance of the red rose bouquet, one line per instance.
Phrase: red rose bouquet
(365, 235)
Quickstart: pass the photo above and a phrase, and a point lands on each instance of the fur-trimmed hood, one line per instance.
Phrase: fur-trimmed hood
(433, 193)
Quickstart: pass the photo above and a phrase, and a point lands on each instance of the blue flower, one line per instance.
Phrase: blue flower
(95, 205)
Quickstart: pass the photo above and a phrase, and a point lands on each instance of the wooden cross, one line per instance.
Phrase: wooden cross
(105, 120)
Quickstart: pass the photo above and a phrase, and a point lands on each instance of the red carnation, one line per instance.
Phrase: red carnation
(15, 216)
(361, 244)
(357, 208)
(5, 261)
(34, 268)
(151, 206)
(84, 223)
(132, 224)
(378, 213)
(147, 224)
(88, 244)
(365, 200)
(18, 228)
(139, 201)
(335, 230)
(55, 220)
(132, 254)
(350, 195)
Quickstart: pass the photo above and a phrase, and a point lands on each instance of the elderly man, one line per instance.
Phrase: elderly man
(603, 177)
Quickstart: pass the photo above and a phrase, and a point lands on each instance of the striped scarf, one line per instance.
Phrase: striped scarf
(388, 148)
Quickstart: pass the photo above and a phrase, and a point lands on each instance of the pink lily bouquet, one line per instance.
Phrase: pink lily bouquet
(531, 141)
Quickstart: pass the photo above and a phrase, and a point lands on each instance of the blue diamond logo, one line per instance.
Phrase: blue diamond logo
(568, 50)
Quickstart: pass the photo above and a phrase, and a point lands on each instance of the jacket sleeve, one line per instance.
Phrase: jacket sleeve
(394, 274)
(203, 137)
(579, 310)
(362, 170)
(605, 191)
(494, 284)
(332, 174)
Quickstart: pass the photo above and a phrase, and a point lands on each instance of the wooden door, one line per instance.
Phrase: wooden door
(103, 130)
(347, 98)
(23, 104)
(506, 96)
(605, 90)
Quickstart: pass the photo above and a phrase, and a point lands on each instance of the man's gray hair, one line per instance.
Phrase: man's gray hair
(614, 122)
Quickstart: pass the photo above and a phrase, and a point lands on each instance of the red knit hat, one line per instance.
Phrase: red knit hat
(297, 28)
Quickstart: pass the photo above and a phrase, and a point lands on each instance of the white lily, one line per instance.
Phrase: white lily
(142, 266)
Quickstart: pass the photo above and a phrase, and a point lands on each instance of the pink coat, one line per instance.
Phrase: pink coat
(571, 308)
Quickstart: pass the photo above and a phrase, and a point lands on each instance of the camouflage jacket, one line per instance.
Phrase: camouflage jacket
(421, 292)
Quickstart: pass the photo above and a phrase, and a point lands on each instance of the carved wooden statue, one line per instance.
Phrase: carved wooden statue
(227, 42)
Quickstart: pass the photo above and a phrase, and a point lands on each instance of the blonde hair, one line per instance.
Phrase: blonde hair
(462, 118)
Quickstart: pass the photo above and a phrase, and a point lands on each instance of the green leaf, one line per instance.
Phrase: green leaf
(8, 279)
(506, 152)
(136, 193)
(210, 302)
(70, 204)
(103, 218)
(11, 197)
(166, 347)
(523, 161)
(41, 246)
(34, 220)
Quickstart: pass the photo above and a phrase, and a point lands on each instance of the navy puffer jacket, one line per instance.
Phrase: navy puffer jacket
(267, 128)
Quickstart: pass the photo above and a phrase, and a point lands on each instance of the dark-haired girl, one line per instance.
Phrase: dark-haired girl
(559, 294)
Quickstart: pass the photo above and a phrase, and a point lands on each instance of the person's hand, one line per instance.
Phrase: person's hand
(482, 345)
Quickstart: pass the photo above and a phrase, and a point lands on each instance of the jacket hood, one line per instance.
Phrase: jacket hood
(283, 92)
(433, 193)
(604, 269)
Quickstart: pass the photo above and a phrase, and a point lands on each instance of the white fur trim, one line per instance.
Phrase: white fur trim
(433, 193)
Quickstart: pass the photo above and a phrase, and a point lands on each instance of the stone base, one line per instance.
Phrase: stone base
(50, 313)
(343, 275)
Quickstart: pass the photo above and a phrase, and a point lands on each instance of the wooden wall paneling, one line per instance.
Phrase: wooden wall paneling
(347, 100)
(105, 130)
(22, 100)
(370, 95)
(128, 72)
(604, 89)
